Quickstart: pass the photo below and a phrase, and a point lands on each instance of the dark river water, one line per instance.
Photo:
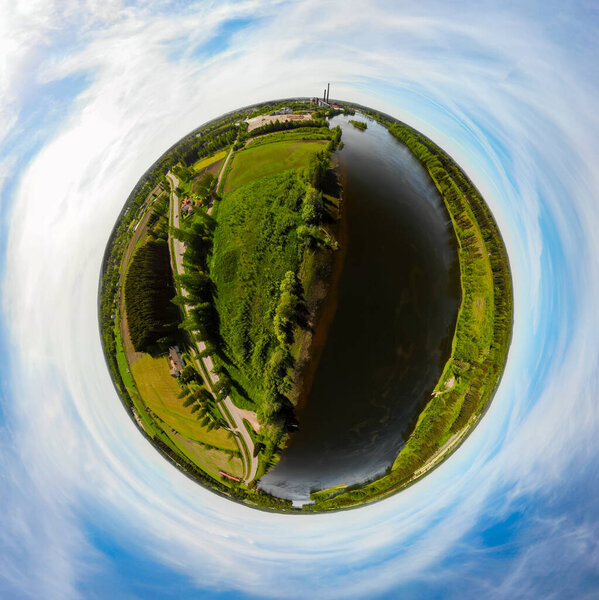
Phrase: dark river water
(391, 334)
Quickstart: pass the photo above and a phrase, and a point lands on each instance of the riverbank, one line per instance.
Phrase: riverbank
(319, 273)
(481, 338)
(397, 300)
(367, 330)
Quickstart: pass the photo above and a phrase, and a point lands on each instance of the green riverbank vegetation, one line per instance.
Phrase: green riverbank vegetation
(481, 339)
(251, 296)
(151, 319)
(359, 125)
(260, 230)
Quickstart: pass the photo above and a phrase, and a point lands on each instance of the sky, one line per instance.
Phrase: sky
(92, 92)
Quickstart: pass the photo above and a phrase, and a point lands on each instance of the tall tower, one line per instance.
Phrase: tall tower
(328, 89)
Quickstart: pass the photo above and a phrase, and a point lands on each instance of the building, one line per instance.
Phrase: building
(176, 361)
(229, 476)
(324, 101)
(186, 206)
(283, 111)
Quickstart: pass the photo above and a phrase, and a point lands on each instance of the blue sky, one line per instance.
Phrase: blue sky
(92, 93)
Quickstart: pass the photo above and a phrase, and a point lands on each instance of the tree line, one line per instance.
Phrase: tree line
(287, 125)
(481, 341)
(149, 289)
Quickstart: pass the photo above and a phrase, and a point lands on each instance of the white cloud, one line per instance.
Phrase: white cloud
(498, 92)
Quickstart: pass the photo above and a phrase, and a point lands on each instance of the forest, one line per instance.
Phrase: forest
(151, 316)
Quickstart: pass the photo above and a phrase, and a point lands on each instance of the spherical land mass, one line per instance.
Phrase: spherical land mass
(305, 307)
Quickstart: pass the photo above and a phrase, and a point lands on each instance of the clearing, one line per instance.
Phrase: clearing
(206, 162)
(262, 120)
(256, 162)
(160, 392)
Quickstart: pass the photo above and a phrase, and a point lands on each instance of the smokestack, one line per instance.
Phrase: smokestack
(324, 96)
(328, 88)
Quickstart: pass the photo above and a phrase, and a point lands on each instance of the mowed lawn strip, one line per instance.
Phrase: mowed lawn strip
(121, 359)
(206, 162)
(209, 459)
(256, 162)
(160, 393)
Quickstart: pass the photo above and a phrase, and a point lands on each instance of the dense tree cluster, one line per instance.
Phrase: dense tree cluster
(204, 186)
(149, 289)
(359, 124)
(202, 318)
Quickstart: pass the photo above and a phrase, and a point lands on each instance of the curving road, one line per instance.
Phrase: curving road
(230, 412)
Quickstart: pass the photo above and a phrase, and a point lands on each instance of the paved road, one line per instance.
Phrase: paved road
(237, 426)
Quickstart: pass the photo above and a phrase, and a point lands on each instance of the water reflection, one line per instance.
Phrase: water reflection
(398, 297)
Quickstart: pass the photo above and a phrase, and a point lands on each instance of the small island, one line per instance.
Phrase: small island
(359, 124)
(219, 284)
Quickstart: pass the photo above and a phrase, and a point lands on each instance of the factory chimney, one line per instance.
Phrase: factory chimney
(324, 96)
(328, 88)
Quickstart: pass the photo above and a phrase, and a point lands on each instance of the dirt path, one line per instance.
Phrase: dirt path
(251, 417)
(220, 175)
(235, 421)
(130, 353)
(439, 454)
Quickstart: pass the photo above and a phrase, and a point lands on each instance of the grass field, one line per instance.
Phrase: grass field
(255, 244)
(256, 162)
(122, 359)
(303, 133)
(123, 366)
(210, 460)
(160, 393)
(206, 162)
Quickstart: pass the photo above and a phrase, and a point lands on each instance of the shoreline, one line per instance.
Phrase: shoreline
(470, 377)
(313, 341)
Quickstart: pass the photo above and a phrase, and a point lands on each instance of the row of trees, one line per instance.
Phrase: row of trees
(481, 340)
(200, 401)
(481, 337)
(287, 125)
(199, 298)
(311, 233)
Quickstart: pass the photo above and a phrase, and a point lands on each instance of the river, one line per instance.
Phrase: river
(398, 298)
